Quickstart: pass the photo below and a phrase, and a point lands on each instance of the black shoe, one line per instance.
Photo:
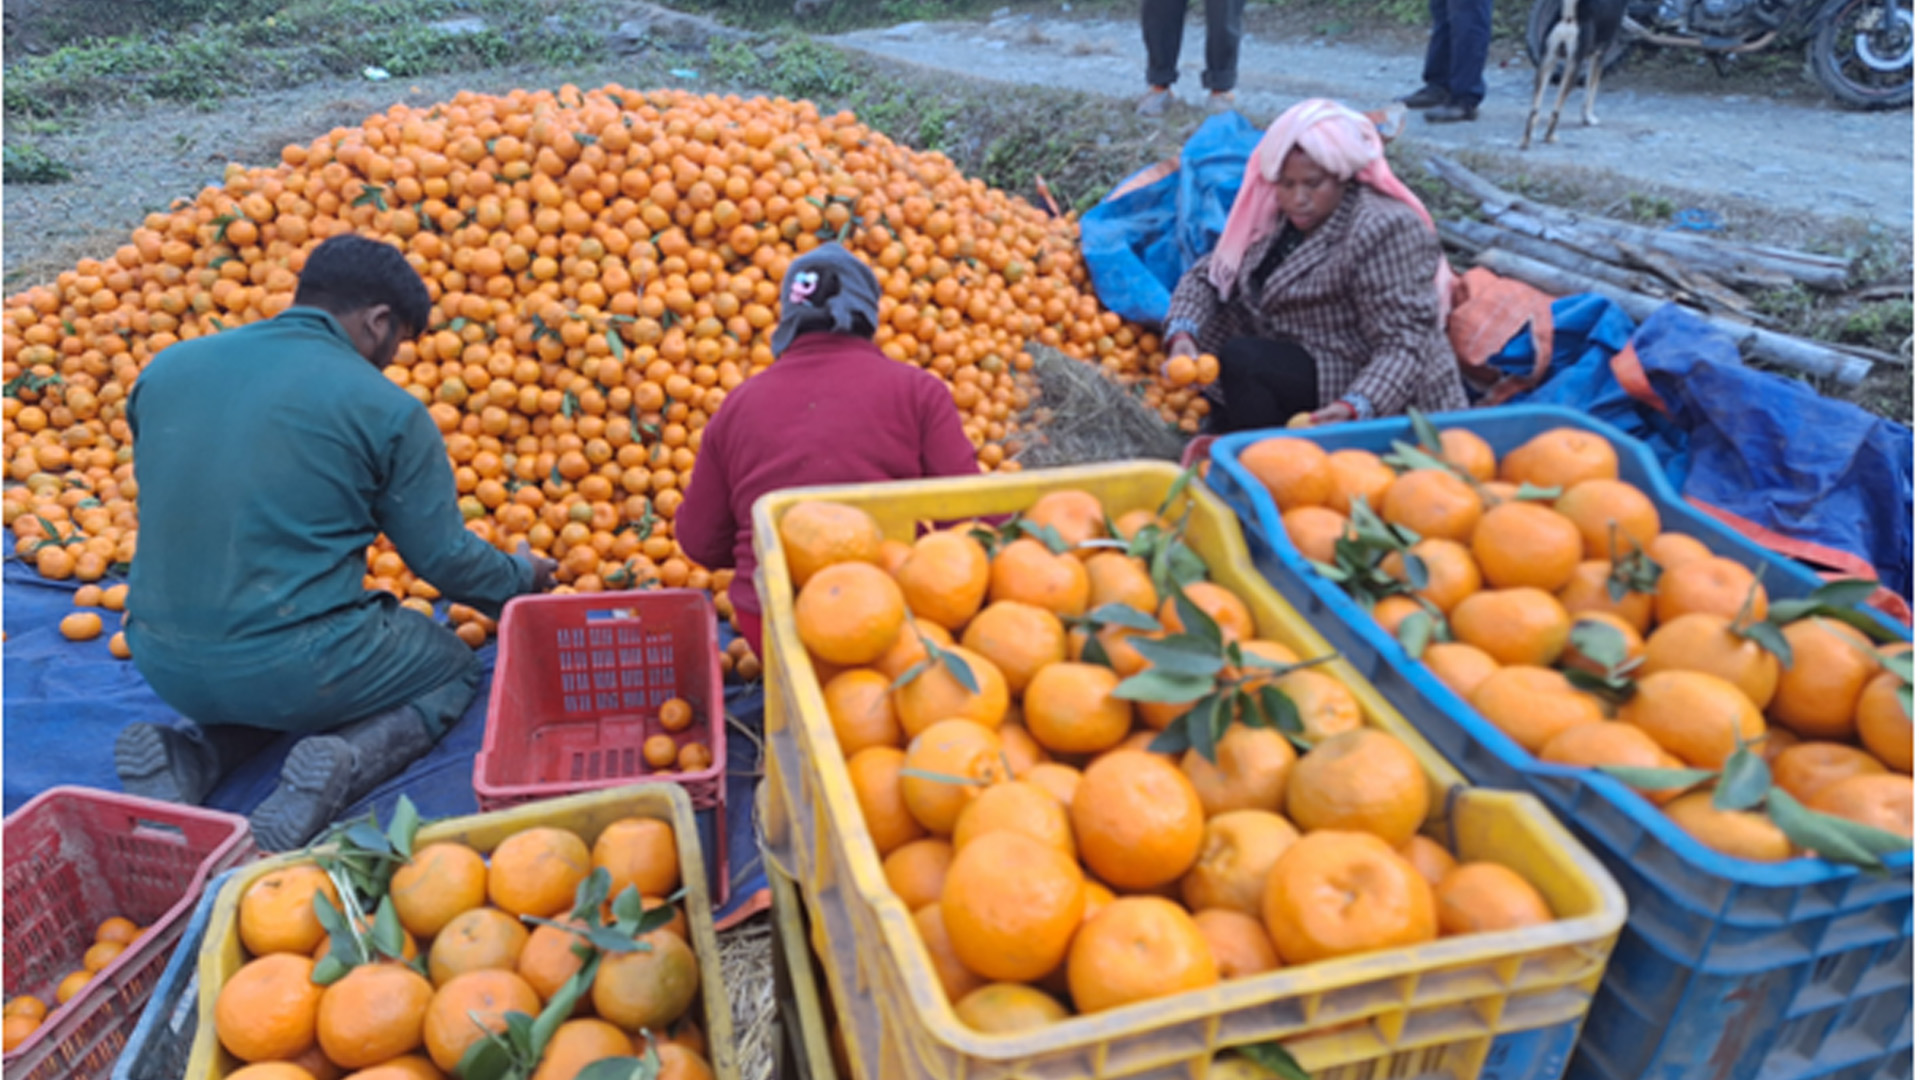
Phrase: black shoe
(1426, 98)
(324, 774)
(181, 764)
(1451, 114)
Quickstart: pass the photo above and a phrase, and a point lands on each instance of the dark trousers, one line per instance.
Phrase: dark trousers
(1263, 383)
(1457, 51)
(1162, 22)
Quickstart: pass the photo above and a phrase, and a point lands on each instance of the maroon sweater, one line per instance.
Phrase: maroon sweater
(833, 409)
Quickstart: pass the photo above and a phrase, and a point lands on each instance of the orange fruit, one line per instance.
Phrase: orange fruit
(548, 960)
(1294, 471)
(647, 989)
(1714, 586)
(1391, 611)
(408, 1067)
(1238, 942)
(944, 579)
(1326, 707)
(1315, 530)
(372, 1014)
(477, 1002)
(679, 1063)
(270, 1070)
(100, 954)
(860, 706)
(1883, 724)
(1610, 742)
(1365, 781)
(916, 871)
(1588, 590)
(875, 773)
(1249, 770)
(1136, 949)
(1026, 571)
(1018, 638)
(1778, 739)
(276, 912)
(1745, 834)
(1428, 857)
(477, 940)
(1137, 819)
(1613, 517)
(1460, 666)
(1022, 752)
(1006, 1008)
(638, 852)
(1114, 578)
(1669, 550)
(71, 986)
(268, 1009)
(1524, 544)
(1434, 504)
(1237, 851)
(935, 695)
(849, 613)
(1819, 692)
(908, 648)
(1017, 806)
(816, 535)
(1452, 574)
(676, 714)
(1070, 709)
(954, 976)
(1805, 770)
(536, 871)
(15, 1029)
(1336, 893)
(1075, 516)
(1595, 622)
(1011, 905)
(1561, 458)
(660, 751)
(1694, 717)
(1467, 452)
(1882, 800)
(1060, 781)
(26, 1005)
(1224, 608)
(893, 555)
(579, 1043)
(117, 928)
(438, 883)
(1707, 643)
(1486, 897)
(1514, 626)
(81, 626)
(1357, 474)
(967, 758)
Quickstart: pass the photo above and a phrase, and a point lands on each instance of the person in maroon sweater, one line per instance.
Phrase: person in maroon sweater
(833, 409)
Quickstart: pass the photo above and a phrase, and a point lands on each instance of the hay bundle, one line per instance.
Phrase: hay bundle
(746, 966)
(1081, 415)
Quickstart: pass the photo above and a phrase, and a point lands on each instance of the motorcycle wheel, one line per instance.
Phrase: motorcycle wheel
(1858, 61)
(1540, 22)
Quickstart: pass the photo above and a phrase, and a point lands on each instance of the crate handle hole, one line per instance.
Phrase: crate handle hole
(162, 831)
(610, 614)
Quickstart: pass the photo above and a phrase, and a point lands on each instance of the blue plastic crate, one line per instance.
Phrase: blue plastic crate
(160, 1043)
(1727, 968)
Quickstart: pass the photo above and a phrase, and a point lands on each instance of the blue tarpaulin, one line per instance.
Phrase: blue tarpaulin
(66, 701)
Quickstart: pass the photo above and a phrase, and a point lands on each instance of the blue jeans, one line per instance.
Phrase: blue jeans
(1457, 51)
(1162, 24)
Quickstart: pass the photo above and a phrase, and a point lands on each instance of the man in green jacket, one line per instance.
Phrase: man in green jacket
(269, 457)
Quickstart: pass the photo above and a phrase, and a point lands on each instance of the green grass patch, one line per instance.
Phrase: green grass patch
(26, 163)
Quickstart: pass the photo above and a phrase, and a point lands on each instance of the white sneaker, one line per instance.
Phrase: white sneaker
(1155, 102)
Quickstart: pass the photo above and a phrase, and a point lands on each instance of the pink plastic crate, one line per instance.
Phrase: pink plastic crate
(74, 858)
(578, 689)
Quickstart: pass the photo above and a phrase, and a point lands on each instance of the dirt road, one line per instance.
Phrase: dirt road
(1792, 151)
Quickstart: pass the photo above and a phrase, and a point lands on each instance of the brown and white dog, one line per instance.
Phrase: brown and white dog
(1585, 32)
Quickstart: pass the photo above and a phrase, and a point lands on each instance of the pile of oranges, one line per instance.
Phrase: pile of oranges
(1056, 858)
(479, 943)
(1574, 624)
(24, 1014)
(604, 266)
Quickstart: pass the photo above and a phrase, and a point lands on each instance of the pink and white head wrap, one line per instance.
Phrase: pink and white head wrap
(1337, 139)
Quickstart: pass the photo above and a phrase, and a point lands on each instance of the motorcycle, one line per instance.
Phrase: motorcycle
(1860, 51)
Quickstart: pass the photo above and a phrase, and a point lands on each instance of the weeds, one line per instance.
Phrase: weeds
(28, 164)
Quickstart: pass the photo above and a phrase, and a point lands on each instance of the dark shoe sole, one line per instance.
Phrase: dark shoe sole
(1450, 116)
(1420, 99)
(315, 785)
(145, 764)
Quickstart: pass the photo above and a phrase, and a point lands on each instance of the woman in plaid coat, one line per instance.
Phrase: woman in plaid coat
(1327, 293)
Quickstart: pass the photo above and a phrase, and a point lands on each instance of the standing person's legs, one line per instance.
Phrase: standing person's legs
(1223, 45)
(1472, 34)
(1162, 23)
(1265, 383)
(1437, 73)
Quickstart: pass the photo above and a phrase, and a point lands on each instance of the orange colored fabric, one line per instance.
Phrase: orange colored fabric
(1632, 378)
(1488, 310)
(1831, 563)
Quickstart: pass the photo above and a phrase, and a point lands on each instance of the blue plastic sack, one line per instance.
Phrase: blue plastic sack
(1137, 245)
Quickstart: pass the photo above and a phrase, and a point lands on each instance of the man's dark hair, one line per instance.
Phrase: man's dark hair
(349, 273)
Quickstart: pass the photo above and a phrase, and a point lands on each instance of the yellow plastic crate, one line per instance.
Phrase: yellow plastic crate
(809, 1040)
(585, 815)
(1498, 1005)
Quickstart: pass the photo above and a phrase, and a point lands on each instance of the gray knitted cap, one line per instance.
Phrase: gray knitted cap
(827, 289)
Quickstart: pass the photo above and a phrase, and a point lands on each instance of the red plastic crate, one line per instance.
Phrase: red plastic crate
(578, 689)
(74, 858)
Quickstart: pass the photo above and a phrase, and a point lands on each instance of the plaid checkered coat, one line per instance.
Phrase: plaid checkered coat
(1357, 294)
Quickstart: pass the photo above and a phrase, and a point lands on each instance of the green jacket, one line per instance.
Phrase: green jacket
(269, 457)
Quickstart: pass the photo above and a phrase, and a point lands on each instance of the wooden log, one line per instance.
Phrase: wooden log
(1488, 236)
(1732, 262)
(1789, 352)
(1695, 288)
(1600, 245)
